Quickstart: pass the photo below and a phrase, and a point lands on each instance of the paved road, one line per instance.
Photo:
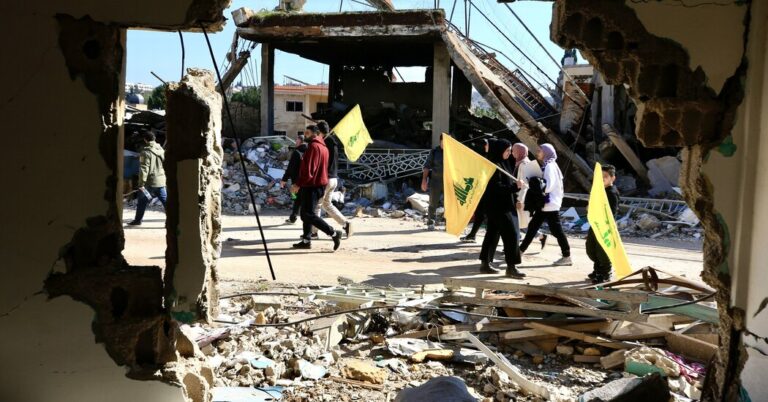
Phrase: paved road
(385, 251)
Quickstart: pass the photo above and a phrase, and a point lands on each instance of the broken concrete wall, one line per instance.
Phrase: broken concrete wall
(72, 310)
(685, 67)
(193, 166)
(370, 86)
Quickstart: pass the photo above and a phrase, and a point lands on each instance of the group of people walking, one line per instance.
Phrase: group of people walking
(520, 194)
(313, 172)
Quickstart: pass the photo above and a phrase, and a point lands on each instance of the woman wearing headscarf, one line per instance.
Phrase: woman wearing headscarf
(501, 213)
(553, 199)
(525, 170)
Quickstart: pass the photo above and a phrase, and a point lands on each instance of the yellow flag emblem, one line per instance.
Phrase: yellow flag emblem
(353, 134)
(465, 176)
(603, 225)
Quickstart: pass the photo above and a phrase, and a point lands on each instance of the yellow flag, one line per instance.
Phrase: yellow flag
(603, 225)
(465, 176)
(353, 134)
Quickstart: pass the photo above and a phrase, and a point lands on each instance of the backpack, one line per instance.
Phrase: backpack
(534, 198)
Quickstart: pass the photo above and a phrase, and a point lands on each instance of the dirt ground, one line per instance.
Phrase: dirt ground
(384, 251)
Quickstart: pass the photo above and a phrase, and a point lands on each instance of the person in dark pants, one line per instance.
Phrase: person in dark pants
(502, 214)
(601, 271)
(313, 177)
(433, 170)
(481, 148)
(292, 174)
(151, 176)
(553, 199)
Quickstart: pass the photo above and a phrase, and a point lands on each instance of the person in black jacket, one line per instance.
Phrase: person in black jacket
(602, 264)
(501, 213)
(292, 174)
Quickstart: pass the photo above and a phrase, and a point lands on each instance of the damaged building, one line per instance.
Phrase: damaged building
(81, 324)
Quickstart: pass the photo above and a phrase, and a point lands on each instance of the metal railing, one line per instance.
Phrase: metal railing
(383, 165)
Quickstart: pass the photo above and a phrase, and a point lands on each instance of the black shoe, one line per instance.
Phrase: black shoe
(543, 240)
(348, 229)
(291, 220)
(592, 275)
(601, 279)
(303, 245)
(336, 240)
(512, 272)
(486, 268)
(467, 239)
(134, 223)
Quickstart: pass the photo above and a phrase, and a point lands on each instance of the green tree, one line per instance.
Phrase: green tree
(250, 96)
(156, 99)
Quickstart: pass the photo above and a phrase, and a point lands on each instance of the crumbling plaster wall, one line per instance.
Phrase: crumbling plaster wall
(71, 310)
(689, 66)
(685, 67)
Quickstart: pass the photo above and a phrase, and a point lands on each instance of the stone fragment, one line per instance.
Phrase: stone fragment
(364, 371)
(565, 350)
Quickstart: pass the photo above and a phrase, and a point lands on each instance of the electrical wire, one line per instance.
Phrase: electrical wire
(242, 157)
(546, 51)
(183, 55)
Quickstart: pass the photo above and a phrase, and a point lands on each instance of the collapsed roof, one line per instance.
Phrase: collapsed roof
(407, 38)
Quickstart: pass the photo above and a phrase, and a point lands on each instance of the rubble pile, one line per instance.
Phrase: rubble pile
(265, 160)
(498, 342)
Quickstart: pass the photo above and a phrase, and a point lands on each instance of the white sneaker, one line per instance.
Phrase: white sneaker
(565, 261)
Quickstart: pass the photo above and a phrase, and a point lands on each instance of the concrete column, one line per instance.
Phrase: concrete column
(441, 92)
(193, 170)
(267, 89)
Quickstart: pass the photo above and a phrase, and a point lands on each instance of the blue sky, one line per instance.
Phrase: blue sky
(161, 51)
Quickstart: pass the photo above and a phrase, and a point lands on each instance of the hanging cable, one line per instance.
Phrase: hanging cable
(567, 76)
(242, 157)
(183, 51)
(472, 4)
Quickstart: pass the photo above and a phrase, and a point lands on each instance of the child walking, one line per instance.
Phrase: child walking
(601, 271)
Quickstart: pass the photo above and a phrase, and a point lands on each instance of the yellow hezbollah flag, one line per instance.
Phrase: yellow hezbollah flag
(465, 176)
(353, 134)
(603, 225)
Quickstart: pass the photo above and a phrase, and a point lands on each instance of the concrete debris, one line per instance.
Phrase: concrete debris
(364, 371)
(663, 174)
(373, 354)
(648, 222)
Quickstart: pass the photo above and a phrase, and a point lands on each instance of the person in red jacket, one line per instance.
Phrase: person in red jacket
(313, 177)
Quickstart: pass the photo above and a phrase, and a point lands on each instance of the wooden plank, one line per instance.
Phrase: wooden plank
(690, 347)
(613, 360)
(514, 374)
(626, 151)
(531, 334)
(586, 359)
(656, 327)
(616, 315)
(600, 341)
(627, 297)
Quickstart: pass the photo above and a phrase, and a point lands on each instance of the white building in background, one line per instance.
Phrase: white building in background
(129, 86)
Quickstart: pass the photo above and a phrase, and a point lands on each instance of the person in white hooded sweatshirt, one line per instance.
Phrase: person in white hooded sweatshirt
(553, 199)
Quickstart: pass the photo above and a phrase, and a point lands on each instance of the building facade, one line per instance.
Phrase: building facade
(291, 101)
